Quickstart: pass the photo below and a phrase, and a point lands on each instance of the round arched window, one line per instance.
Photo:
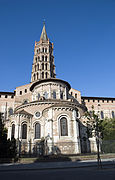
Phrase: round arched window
(54, 94)
(45, 95)
(63, 127)
(37, 131)
(25, 101)
(24, 131)
(13, 131)
(37, 114)
(10, 111)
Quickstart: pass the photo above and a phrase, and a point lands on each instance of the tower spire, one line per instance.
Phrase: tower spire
(43, 62)
(44, 36)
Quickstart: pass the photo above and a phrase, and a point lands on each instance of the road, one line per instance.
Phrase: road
(60, 174)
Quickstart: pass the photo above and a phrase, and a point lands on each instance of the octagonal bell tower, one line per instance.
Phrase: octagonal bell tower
(43, 62)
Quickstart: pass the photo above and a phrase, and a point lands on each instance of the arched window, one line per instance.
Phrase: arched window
(37, 75)
(45, 50)
(37, 131)
(38, 96)
(24, 131)
(113, 114)
(77, 113)
(38, 58)
(63, 127)
(46, 66)
(102, 115)
(13, 131)
(25, 101)
(61, 95)
(46, 95)
(54, 94)
(43, 75)
(34, 77)
(46, 75)
(10, 111)
(42, 58)
(45, 58)
(42, 49)
(35, 68)
(39, 49)
(42, 66)
(38, 66)
(76, 95)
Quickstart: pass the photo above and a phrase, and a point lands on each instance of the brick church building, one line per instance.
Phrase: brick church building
(49, 108)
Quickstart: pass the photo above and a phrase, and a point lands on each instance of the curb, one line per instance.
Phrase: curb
(56, 168)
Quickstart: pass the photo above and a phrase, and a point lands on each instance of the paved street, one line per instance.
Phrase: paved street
(55, 165)
(59, 170)
(68, 174)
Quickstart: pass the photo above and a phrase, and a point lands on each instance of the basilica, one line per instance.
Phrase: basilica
(50, 109)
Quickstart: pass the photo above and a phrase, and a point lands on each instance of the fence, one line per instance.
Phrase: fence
(41, 148)
(108, 146)
(44, 148)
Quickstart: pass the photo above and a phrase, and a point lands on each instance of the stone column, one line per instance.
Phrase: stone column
(16, 131)
(50, 121)
(76, 133)
(50, 126)
(9, 132)
(78, 138)
(18, 135)
(19, 127)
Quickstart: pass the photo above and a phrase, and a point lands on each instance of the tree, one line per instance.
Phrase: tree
(7, 147)
(3, 139)
(94, 127)
(108, 129)
(108, 135)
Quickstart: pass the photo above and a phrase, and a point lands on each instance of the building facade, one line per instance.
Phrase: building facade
(49, 110)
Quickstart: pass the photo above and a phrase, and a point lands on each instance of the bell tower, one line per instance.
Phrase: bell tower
(43, 62)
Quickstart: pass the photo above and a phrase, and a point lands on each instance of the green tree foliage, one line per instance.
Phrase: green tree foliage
(93, 124)
(108, 135)
(103, 130)
(7, 147)
(108, 129)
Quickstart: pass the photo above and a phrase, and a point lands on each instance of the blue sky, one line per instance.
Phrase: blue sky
(83, 32)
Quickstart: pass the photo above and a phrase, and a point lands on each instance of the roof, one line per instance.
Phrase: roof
(101, 98)
(7, 93)
(23, 112)
(49, 80)
(44, 34)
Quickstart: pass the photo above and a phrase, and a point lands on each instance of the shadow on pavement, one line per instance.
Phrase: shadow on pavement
(54, 158)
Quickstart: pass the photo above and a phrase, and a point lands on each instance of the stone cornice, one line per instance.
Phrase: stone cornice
(21, 115)
(53, 103)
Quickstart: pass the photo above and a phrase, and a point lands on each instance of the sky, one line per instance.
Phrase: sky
(83, 33)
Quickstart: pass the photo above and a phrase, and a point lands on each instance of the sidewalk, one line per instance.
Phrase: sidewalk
(55, 165)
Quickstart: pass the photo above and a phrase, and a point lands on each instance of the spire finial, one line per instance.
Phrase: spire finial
(43, 22)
